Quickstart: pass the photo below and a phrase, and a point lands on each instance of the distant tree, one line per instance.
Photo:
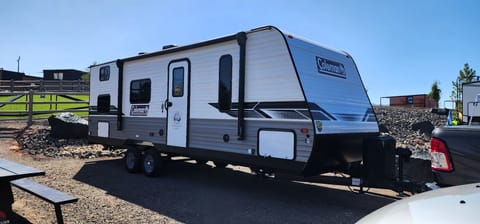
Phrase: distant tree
(465, 75)
(435, 92)
(86, 77)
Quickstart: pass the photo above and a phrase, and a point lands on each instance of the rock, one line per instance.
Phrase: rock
(68, 125)
(411, 127)
(424, 127)
(40, 142)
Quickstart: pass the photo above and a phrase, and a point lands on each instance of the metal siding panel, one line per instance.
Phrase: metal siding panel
(136, 128)
(341, 97)
(208, 134)
(270, 75)
(98, 87)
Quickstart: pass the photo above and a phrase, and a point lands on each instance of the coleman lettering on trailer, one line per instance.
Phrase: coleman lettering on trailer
(331, 67)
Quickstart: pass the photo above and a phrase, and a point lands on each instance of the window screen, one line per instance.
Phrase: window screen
(225, 83)
(104, 73)
(140, 91)
(103, 103)
(178, 82)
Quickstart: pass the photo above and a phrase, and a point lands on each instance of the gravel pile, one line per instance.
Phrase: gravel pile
(40, 142)
(411, 127)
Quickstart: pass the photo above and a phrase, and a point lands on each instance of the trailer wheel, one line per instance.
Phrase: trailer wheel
(152, 163)
(133, 158)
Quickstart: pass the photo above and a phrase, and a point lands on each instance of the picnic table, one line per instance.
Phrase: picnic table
(11, 171)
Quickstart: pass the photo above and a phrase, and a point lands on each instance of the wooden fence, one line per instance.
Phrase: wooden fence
(44, 85)
(29, 103)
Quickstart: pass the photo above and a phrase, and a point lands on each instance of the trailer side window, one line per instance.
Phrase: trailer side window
(178, 81)
(103, 103)
(140, 91)
(104, 73)
(225, 83)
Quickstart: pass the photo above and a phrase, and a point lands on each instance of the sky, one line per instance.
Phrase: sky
(400, 47)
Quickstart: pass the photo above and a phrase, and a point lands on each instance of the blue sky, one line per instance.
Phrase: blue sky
(400, 47)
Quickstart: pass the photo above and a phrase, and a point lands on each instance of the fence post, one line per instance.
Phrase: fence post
(11, 85)
(30, 107)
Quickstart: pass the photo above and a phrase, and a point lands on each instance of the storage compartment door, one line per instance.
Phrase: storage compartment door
(276, 144)
(102, 129)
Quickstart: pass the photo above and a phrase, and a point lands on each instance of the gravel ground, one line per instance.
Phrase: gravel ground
(187, 193)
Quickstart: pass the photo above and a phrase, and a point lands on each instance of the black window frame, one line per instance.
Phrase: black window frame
(225, 73)
(104, 73)
(103, 103)
(139, 96)
(175, 80)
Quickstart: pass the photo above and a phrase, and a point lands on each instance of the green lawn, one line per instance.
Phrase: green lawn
(23, 108)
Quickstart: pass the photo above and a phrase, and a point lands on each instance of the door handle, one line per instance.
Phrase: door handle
(167, 105)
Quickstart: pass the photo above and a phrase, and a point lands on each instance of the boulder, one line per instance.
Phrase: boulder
(424, 127)
(68, 125)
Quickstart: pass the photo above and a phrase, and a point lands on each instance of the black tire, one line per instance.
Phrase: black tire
(133, 160)
(152, 163)
(220, 164)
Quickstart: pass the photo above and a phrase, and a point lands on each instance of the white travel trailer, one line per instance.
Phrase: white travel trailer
(261, 98)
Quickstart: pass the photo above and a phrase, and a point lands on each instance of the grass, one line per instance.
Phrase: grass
(23, 108)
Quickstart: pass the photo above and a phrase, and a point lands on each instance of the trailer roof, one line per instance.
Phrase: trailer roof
(210, 42)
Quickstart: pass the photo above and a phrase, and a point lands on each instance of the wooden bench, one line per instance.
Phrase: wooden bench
(48, 194)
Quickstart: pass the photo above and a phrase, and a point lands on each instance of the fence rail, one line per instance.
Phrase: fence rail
(30, 102)
(44, 85)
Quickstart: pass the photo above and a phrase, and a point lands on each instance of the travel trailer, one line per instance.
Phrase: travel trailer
(261, 98)
(471, 103)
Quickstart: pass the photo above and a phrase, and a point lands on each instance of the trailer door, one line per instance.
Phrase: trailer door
(177, 103)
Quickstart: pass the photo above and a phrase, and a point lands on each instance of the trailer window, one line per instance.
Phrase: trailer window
(104, 73)
(140, 91)
(178, 80)
(225, 83)
(103, 103)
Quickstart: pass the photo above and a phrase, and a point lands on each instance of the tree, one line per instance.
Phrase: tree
(86, 77)
(465, 75)
(435, 92)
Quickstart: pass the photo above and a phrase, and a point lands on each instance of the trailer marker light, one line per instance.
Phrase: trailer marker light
(439, 155)
(304, 130)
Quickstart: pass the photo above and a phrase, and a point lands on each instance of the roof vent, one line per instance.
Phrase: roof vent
(169, 46)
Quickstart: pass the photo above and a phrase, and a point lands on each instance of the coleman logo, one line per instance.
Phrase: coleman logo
(331, 67)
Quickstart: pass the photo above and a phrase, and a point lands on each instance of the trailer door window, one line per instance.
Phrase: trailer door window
(177, 88)
(140, 91)
(225, 83)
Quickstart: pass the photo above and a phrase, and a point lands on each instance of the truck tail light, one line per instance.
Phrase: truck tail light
(439, 155)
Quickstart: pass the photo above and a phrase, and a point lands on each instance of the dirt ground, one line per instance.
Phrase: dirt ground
(186, 193)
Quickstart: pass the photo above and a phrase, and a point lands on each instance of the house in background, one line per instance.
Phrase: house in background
(11, 75)
(62, 74)
(419, 100)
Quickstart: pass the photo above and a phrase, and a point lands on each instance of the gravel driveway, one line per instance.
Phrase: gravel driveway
(186, 193)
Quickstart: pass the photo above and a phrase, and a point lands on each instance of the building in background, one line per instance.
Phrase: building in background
(419, 100)
(62, 74)
(11, 75)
